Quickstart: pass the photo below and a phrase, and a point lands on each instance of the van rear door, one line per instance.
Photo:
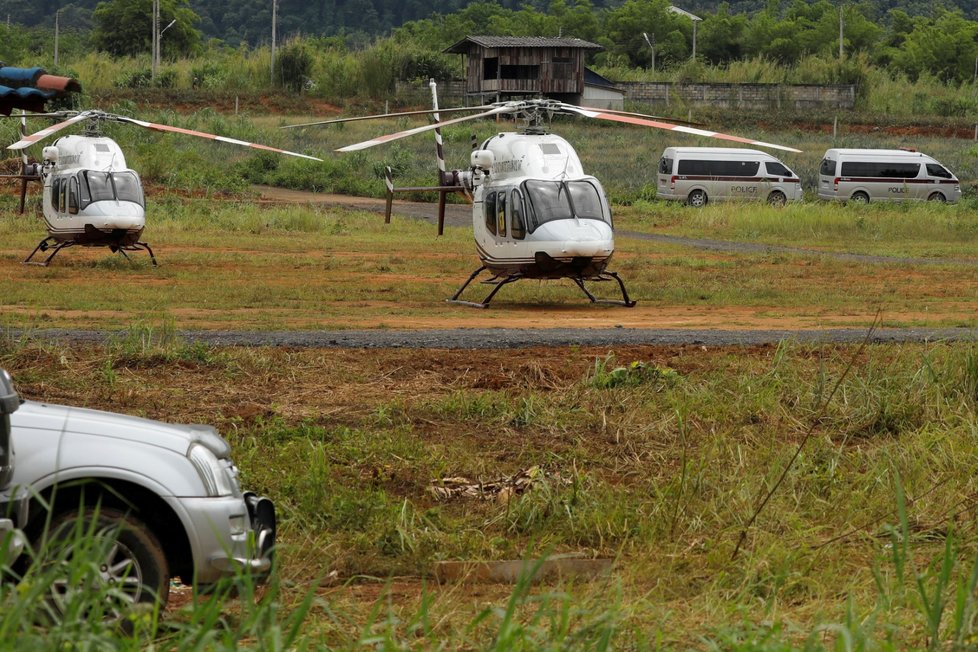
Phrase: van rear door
(664, 182)
(826, 178)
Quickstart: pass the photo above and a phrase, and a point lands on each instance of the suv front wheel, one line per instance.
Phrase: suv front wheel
(107, 555)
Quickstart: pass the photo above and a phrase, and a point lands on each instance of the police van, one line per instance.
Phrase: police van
(864, 175)
(697, 175)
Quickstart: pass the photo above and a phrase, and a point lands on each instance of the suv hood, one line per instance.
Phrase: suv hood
(175, 437)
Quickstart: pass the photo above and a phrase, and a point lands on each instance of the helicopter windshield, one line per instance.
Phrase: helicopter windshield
(109, 186)
(560, 200)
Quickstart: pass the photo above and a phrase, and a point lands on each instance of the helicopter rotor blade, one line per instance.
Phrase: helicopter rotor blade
(386, 115)
(200, 134)
(603, 115)
(27, 141)
(417, 130)
(652, 117)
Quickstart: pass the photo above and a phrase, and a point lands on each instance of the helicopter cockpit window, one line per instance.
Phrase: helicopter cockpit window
(127, 187)
(109, 186)
(490, 208)
(587, 202)
(99, 185)
(517, 225)
(560, 200)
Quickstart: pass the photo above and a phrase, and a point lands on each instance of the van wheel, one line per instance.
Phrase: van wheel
(697, 198)
(859, 198)
(936, 196)
(121, 561)
(777, 198)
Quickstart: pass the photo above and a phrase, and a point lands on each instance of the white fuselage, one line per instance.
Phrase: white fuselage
(537, 213)
(90, 196)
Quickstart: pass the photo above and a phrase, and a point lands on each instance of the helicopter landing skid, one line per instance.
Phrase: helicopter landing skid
(45, 245)
(136, 246)
(500, 281)
(608, 276)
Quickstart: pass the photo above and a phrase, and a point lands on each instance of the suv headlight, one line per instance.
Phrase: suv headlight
(214, 475)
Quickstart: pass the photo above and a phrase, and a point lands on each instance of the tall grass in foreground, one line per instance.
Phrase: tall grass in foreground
(652, 457)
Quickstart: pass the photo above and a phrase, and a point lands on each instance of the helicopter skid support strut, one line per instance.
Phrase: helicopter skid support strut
(500, 281)
(46, 244)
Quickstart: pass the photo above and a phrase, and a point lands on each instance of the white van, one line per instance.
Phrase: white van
(863, 175)
(697, 175)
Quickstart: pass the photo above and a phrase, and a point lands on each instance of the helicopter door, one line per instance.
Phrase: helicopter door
(73, 195)
(517, 223)
(501, 215)
(490, 208)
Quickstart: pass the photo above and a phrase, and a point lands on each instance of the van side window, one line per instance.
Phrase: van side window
(776, 169)
(938, 171)
(827, 167)
(665, 165)
(490, 208)
(884, 170)
(692, 167)
(517, 226)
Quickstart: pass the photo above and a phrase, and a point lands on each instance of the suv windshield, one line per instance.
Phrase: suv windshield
(561, 200)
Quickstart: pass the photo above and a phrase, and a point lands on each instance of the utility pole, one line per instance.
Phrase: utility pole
(156, 38)
(842, 24)
(57, 15)
(274, 20)
(652, 46)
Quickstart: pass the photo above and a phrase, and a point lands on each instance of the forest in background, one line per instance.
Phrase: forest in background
(922, 65)
(248, 21)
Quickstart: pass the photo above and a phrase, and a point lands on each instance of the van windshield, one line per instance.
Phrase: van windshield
(560, 200)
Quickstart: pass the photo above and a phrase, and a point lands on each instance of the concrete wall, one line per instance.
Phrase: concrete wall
(745, 96)
(753, 97)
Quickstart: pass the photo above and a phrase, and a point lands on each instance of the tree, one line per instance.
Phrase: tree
(721, 36)
(946, 47)
(624, 28)
(125, 27)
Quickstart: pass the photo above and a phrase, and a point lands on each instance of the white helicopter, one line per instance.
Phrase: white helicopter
(535, 213)
(91, 197)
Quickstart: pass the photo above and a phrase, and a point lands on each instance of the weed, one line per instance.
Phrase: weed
(605, 376)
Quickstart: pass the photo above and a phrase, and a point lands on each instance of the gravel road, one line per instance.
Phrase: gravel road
(509, 338)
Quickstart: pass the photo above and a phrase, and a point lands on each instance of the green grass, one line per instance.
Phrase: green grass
(659, 467)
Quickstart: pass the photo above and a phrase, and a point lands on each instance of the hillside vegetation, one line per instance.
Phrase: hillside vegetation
(248, 21)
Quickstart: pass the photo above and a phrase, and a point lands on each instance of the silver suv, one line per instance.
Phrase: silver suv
(168, 492)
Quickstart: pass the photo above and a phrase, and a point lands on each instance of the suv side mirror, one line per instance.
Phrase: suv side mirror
(9, 401)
